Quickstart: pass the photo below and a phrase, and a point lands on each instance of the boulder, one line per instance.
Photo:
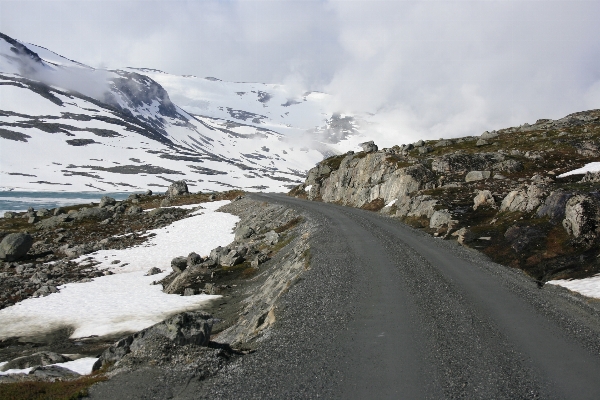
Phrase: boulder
(10, 214)
(477, 176)
(582, 218)
(243, 232)
(38, 359)
(419, 143)
(179, 264)
(42, 212)
(148, 192)
(417, 206)
(217, 253)
(271, 238)
(106, 201)
(134, 210)
(232, 258)
(194, 259)
(369, 147)
(443, 143)
(54, 222)
(484, 198)
(166, 202)
(15, 246)
(463, 236)
(187, 328)
(488, 135)
(440, 218)
(424, 150)
(91, 213)
(177, 188)
(527, 199)
(482, 142)
(59, 211)
(554, 206)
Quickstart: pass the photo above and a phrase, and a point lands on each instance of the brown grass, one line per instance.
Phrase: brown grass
(374, 205)
(59, 390)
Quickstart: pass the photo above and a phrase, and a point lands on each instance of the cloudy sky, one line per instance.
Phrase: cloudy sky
(426, 68)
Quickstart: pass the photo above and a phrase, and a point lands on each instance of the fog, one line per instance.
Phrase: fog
(426, 69)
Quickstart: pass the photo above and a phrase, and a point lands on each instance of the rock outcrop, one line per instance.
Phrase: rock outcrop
(187, 328)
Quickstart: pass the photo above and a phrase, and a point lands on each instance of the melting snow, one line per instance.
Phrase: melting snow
(126, 301)
(588, 286)
(591, 167)
(82, 366)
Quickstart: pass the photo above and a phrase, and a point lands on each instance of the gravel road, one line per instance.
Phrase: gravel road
(388, 312)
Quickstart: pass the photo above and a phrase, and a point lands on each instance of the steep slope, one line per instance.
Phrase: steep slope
(65, 126)
(516, 194)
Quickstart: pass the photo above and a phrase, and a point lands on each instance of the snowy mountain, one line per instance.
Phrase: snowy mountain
(65, 126)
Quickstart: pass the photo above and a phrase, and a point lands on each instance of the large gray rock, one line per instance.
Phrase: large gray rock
(54, 222)
(91, 213)
(35, 360)
(473, 176)
(10, 214)
(187, 328)
(369, 147)
(177, 188)
(179, 264)
(417, 206)
(15, 246)
(554, 206)
(582, 218)
(440, 218)
(527, 199)
(243, 232)
(488, 135)
(107, 201)
(232, 258)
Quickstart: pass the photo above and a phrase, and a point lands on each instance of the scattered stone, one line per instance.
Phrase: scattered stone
(463, 236)
(482, 142)
(187, 328)
(134, 210)
(189, 292)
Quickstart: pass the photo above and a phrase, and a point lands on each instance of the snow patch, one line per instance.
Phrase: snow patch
(590, 167)
(308, 188)
(588, 286)
(126, 301)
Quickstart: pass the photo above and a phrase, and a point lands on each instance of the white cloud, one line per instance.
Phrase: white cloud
(429, 69)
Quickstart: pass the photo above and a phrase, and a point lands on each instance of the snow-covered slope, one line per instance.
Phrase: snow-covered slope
(67, 126)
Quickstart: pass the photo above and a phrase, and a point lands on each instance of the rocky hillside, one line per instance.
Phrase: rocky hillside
(501, 192)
